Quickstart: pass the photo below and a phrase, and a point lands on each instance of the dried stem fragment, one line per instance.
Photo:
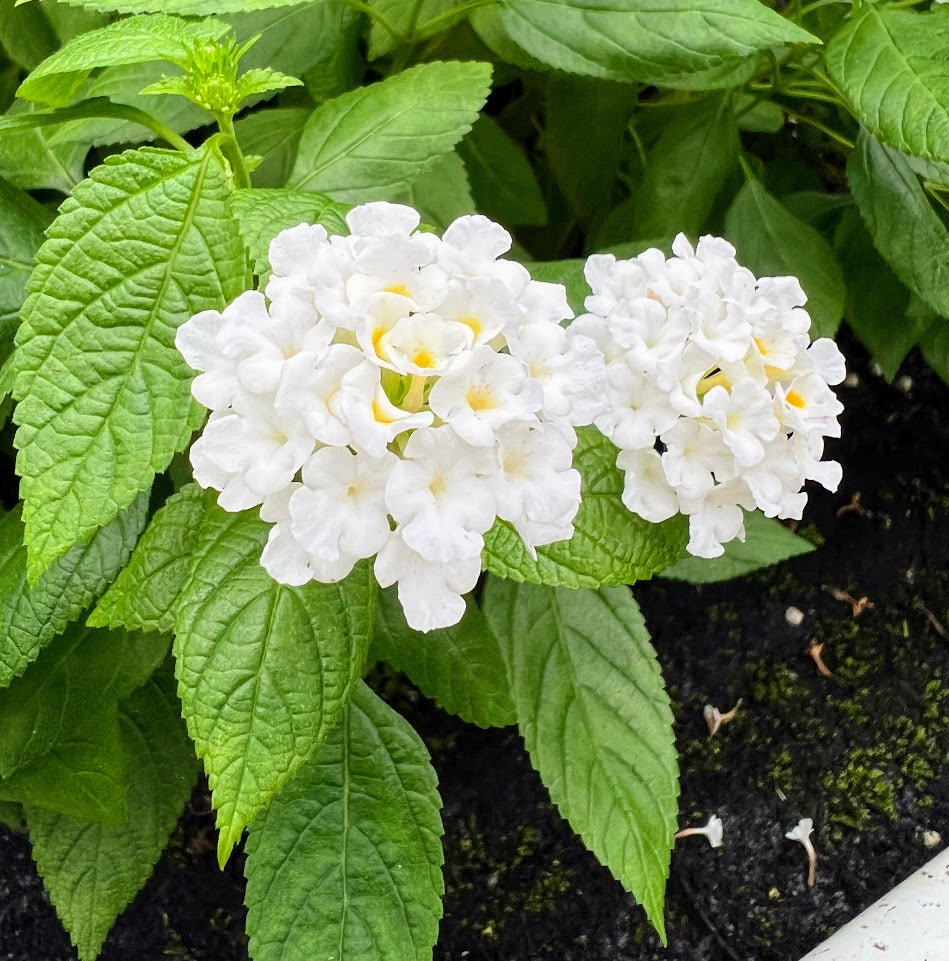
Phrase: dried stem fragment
(854, 507)
(813, 650)
(857, 605)
(714, 718)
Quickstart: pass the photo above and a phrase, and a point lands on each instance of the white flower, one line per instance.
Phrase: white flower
(438, 495)
(430, 592)
(424, 344)
(340, 510)
(485, 392)
(716, 399)
(536, 489)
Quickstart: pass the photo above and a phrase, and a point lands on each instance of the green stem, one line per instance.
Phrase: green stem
(433, 26)
(374, 14)
(805, 10)
(817, 125)
(233, 150)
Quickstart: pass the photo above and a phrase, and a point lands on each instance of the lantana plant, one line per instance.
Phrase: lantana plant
(428, 330)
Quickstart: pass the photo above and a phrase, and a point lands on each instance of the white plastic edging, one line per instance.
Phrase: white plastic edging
(910, 923)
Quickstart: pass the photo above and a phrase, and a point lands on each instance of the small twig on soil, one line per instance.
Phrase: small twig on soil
(715, 719)
(857, 605)
(813, 650)
(936, 625)
(854, 507)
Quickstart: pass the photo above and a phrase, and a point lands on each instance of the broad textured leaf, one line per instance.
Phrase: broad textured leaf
(876, 307)
(595, 716)
(79, 672)
(460, 668)
(123, 85)
(340, 65)
(181, 7)
(360, 823)
(772, 242)
(144, 594)
(274, 136)
(503, 182)
(610, 545)
(767, 542)
(892, 67)
(262, 213)
(373, 142)
(104, 395)
(442, 192)
(906, 230)
(81, 776)
(586, 118)
(686, 169)
(93, 871)
(31, 32)
(35, 160)
(22, 223)
(30, 617)
(263, 669)
(640, 39)
(292, 38)
(135, 40)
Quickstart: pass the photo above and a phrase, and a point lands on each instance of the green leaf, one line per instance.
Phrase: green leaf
(686, 170)
(876, 307)
(935, 347)
(503, 182)
(261, 214)
(586, 118)
(181, 7)
(81, 776)
(909, 235)
(340, 65)
(143, 595)
(361, 824)
(639, 39)
(772, 242)
(35, 160)
(595, 717)
(372, 143)
(105, 398)
(460, 668)
(135, 40)
(30, 617)
(274, 136)
(767, 542)
(611, 544)
(442, 192)
(93, 871)
(892, 68)
(22, 223)
(80, 671)
(31, 32)
(263, 669)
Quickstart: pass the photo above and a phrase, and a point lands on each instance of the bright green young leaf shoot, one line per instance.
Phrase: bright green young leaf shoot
(104, 395)
(595, 717)
(360, 823)
(136, 40)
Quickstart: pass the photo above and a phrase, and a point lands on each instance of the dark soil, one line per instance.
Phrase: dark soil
(865, 753)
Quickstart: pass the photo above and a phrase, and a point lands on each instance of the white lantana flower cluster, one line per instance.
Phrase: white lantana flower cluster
(718, 400)
(390, 394)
